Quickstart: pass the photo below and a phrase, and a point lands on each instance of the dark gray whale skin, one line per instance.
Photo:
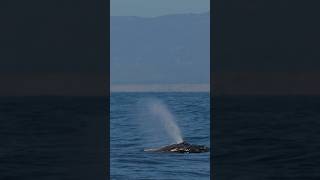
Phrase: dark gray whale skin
(183, 147)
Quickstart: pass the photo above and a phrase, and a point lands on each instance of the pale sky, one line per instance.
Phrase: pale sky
(152, 8)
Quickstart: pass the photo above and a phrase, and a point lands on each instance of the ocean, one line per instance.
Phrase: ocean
(48, 138)
(143, 120)
(266, 137)
(255, 137)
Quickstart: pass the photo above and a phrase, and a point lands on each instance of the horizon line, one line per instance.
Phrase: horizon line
(160, 87)
(148, 17)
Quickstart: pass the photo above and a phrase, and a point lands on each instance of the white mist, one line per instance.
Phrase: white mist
(159, 111)
(158, 123)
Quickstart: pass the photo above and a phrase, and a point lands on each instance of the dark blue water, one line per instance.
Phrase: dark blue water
(266, 138)
(49, 138)
(132, 131)
(262, 138)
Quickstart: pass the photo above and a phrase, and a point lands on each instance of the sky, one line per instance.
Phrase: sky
(152, 8)
(256, 52)
(158, 80)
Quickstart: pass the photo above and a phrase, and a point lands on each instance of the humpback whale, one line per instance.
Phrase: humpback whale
(183, 147)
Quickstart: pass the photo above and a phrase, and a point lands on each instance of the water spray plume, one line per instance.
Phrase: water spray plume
(166, 118)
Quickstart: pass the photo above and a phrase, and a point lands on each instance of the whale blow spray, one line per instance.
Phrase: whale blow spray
(166, 118)
(158, 123)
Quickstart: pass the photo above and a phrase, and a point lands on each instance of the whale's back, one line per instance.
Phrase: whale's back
(183, 147)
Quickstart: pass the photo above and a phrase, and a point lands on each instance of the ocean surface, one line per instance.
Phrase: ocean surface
(142, 120)
(255, 137)
(266, 138)
(48, 138)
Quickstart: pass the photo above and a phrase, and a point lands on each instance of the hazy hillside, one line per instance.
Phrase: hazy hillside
(165, 49)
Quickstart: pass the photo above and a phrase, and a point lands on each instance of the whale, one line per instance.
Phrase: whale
(182, 147)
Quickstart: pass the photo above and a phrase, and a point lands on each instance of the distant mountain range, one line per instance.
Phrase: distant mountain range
(164, 49)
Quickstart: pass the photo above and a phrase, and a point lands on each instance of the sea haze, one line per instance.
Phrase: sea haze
(164, 49)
